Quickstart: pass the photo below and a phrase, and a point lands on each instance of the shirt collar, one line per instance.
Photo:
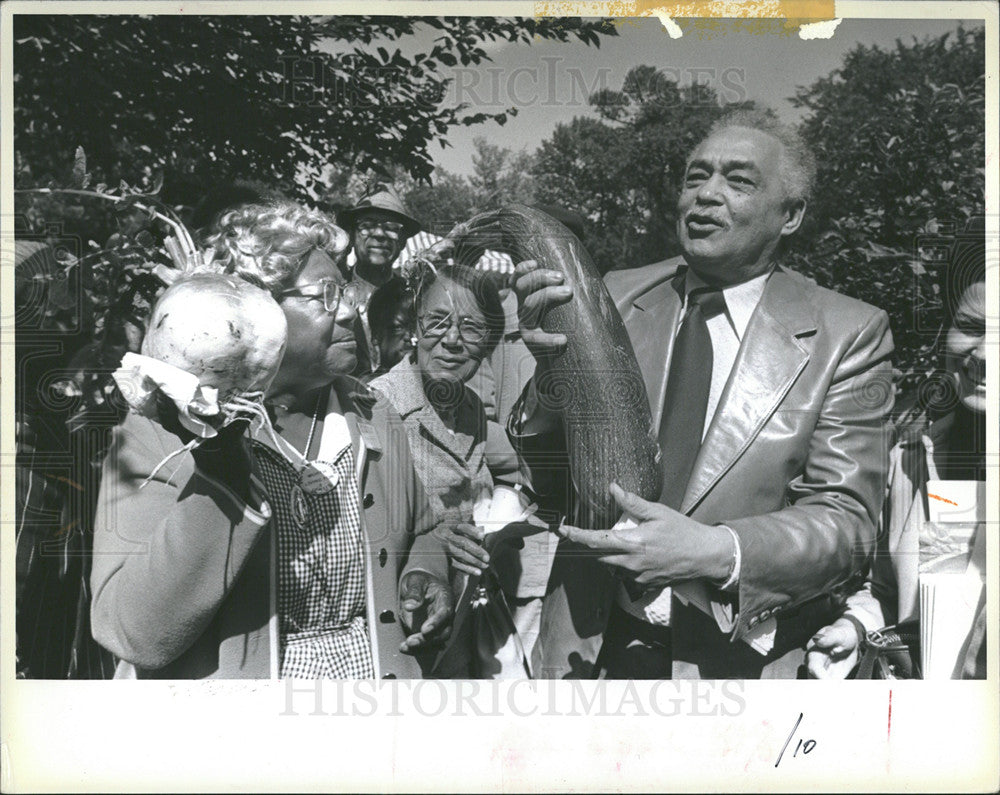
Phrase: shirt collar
(741, 299)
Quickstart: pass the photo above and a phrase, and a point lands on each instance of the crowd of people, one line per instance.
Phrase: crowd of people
(792, 525)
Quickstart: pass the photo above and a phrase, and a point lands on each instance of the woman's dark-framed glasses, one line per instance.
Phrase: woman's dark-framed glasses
(332, 293)
(469, 329)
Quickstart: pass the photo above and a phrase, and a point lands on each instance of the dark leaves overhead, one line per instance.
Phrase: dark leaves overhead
(899, 140)
(208, 97)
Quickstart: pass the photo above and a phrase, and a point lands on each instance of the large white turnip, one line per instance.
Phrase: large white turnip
(220, 328)
(213, 346)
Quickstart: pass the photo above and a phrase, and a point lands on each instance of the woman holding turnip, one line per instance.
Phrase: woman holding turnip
(301, 549)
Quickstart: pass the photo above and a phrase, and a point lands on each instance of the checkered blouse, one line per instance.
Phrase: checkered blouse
(321, 573)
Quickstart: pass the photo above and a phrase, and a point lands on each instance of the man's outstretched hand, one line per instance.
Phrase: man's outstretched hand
(665, 546)
(539, 289)
(833, 652)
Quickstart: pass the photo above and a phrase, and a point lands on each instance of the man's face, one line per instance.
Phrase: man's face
(378, 239)
(733, 209)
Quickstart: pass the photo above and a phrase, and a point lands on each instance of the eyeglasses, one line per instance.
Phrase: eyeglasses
(469, 329)
(392, 229)
(333, 294)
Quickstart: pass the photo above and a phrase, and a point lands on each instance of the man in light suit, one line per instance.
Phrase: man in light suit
(768, 510)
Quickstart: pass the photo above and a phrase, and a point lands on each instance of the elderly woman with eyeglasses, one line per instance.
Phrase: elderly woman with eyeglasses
(458, 321)
(232, 562)
(459, 455)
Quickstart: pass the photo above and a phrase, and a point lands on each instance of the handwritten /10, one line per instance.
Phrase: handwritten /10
(806, 746)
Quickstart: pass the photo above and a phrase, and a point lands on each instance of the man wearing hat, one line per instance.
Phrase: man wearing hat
(379, 226)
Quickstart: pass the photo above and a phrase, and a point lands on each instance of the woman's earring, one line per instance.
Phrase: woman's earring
(413, 341)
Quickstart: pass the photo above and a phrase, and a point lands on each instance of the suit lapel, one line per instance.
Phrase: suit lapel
(769, 361)
(651, 320)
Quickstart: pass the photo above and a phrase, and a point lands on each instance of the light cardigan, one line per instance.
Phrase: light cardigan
(450, 457)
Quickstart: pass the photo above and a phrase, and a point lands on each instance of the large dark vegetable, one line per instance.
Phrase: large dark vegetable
(595, 385)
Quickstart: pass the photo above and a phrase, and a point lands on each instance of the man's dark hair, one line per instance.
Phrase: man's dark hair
(798, 164)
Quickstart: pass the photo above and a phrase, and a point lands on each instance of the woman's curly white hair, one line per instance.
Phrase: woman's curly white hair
(267, 243)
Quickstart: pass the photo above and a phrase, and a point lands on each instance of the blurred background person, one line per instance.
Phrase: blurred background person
(945, 442)
(392, 323)
(379, 226)
(56, 466)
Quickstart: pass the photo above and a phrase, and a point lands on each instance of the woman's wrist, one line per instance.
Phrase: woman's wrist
(859, 628)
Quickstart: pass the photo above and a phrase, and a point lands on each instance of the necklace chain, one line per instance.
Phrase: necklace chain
(312, 425)
(312, 428)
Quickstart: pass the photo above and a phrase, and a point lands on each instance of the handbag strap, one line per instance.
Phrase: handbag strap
(496, 593)
(877, 643)
(869, 656)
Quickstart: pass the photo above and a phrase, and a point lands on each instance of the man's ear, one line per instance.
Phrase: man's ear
(795, 211)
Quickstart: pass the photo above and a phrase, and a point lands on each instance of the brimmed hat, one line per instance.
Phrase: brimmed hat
(384, 199)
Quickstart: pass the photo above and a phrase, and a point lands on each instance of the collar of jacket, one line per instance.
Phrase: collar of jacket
(772, 355)
(409, 399)
(409, 395)
(783, 297)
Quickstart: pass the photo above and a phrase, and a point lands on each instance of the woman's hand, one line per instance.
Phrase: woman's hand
(464, 544)
(226, 436)
(426, 608)
(832, 652)
(223, 456)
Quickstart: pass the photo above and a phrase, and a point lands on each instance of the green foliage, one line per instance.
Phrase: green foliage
(316, 107)
(499, 176)
(95, 297)
(899, 140)
(306, 106)
(447, 200)
(207, 98)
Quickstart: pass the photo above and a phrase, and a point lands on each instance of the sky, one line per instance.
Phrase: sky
(549, 81)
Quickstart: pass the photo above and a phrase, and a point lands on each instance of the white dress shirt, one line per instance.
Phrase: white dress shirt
(726, 330)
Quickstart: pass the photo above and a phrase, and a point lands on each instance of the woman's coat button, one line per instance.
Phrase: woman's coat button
(369, 500)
